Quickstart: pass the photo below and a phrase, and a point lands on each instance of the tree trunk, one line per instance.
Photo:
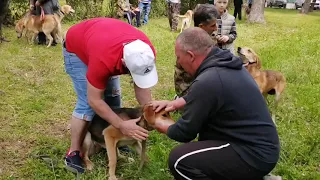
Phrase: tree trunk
(257, 12)
(306, 7)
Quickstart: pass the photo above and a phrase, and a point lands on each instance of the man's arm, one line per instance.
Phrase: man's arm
(100, 107)
(128, 128)
(233, 33)
(202, 101)
(143, 96)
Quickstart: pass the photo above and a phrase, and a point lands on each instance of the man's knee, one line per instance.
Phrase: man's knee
(174, 155)
(183, 168)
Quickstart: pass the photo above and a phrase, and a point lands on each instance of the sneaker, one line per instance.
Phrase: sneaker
(175, 97)
(73, 162)
(125, 149)
(272, 177)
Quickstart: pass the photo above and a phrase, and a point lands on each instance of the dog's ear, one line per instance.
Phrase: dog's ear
(258, 62)
(149, 114)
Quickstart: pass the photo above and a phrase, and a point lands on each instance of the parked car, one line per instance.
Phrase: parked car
(299, 4)
(277, 3)
(317, 5)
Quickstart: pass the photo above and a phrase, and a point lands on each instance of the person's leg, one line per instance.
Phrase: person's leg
(54, 42)
(138, 15)
(141, 9)
(210, 160)
(147, 7)
(239, 13)
(112, 97)
(169, 14)
(182, 80)
(41, 38)
(112, 94)
(127, 15)
(82, 113)
(175, 16)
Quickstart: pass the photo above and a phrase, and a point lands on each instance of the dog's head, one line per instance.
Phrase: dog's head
(19, 27)
(249, 57)
(67, 9)
(189, 13)
(149, 117)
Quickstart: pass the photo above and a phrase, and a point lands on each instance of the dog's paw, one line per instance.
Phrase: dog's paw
(146, 159)
(89, 165)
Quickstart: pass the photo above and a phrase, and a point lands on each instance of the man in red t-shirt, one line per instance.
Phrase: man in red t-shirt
(96, 52)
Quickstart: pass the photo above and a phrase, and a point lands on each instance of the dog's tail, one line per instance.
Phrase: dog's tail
(182, 16)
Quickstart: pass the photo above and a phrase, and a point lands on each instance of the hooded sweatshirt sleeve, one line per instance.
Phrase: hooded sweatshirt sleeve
(202, 102)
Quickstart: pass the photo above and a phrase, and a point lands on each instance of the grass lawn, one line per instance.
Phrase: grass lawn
(37, 98)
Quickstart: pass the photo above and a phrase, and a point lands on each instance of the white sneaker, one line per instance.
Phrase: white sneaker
(175, 97)
(272, 177)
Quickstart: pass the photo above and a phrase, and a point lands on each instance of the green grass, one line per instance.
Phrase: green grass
(38, 99)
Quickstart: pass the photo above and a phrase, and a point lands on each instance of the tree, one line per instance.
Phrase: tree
(306, 7)
(257, 12)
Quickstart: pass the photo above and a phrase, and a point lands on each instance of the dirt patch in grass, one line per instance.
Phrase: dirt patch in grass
(14, 154)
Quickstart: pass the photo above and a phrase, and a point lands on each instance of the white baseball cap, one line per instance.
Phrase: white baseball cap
(139, 59)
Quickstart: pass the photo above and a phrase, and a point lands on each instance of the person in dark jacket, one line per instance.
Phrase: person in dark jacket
(4, 7)
(237, 8)
(49, 7)
(237, 138)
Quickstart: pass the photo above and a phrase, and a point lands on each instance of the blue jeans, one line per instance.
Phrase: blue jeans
(130, 16)
(145, 11)
(77, 70)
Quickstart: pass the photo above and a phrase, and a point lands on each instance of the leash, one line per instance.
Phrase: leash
(47, 159)
(42, 14)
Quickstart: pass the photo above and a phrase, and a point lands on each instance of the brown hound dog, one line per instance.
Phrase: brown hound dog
(269, 82)
(102, 134)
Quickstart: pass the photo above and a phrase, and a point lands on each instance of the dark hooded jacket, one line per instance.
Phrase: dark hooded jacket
(224, 103)
(49, 6)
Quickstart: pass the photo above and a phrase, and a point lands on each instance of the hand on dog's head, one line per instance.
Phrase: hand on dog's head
(150, 116)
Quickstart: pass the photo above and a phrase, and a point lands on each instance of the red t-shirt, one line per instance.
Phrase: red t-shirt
(99, 44)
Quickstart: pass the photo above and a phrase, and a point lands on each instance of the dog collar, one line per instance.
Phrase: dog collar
(246, 64)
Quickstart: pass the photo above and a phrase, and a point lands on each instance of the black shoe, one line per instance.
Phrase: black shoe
(73, 162)
(53, 43)
(41, 43)
(125, 149)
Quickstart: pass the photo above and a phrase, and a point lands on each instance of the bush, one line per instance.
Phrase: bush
(99, 8)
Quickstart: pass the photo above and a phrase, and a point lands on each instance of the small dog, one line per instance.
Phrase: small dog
(20, 26)
(102, 134)
(269, 82)
(51, 23)
(186, 21)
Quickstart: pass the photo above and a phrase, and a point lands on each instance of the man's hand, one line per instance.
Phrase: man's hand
(223, 38)
(131, 129)
(162, 126)
(37, 3)
(159, 105)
